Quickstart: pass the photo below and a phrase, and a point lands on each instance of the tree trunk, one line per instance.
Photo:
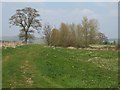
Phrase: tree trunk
(26, 37)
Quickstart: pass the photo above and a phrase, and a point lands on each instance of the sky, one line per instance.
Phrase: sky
(69, 12)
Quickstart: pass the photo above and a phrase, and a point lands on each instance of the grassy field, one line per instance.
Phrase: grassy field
(36, 66)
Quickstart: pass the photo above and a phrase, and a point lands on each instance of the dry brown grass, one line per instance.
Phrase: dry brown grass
(10, 44)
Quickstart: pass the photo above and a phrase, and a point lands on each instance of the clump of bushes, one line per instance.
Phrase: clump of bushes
(75, 35)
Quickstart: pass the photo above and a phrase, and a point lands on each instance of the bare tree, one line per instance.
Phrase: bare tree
(72, 35)
(85, 27)
(79, 36)
(93, 30)
(55, 37)
(28, 21)
(64, 32)
(47, 32)
(102, 39)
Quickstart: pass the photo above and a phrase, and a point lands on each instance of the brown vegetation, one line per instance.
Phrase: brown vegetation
(75, 35)
(10, 44)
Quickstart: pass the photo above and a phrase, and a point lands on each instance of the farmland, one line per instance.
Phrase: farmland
(39, 66)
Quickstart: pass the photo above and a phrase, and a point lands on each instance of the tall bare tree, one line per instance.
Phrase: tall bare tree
(79, 36)
(55, 37)
(64, 32)
(72, 35)
(85, 25)
(47, 32)
(28, 21)
(93, 30)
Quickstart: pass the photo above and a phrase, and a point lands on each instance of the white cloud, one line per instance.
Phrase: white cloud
(89, 13)
(55, 17)
(69, 13)
(52, 12)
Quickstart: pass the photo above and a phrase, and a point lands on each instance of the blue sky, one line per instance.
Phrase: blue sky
(68, 12)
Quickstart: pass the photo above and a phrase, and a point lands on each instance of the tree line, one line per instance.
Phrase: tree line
(75, 35)
(80, 35)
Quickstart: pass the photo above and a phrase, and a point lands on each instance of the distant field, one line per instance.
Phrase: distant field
(36, 66)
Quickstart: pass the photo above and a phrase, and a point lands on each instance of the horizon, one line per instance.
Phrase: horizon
(41, 37)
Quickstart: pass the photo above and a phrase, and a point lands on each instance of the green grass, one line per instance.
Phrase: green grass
(36, 66)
